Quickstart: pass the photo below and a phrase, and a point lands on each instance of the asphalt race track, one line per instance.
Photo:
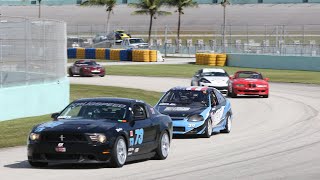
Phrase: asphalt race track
(274, 138)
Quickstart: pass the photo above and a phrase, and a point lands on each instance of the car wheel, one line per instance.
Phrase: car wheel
(227, 127)
(81, 73)
(102, 75)
(70, 72)
(265, 96)
(163, 148)
(208, 131)
(38, 164)
(119, 153)
(232, 94)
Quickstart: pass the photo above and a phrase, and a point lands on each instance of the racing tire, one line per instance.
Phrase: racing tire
(38, 164)
(163, 148)
(81, 73)
(232, 94)
(227, 127)
(70, 72)
(265, 96)
(102, 75)
(119, 153)
(208, 130)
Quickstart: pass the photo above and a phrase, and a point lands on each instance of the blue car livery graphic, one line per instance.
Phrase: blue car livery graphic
(196, 110)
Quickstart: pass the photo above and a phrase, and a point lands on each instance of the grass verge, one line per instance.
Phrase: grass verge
(15, 132)
(187, 71)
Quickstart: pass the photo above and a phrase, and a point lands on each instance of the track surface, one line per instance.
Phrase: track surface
(274, 138)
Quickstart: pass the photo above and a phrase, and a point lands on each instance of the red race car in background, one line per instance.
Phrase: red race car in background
(248, 83)
(86, 68)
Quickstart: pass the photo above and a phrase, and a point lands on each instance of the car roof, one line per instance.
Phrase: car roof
(213, 70)
(110, 99)
(192, 88)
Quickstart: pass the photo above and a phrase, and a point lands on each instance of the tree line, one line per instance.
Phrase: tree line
(149, 7)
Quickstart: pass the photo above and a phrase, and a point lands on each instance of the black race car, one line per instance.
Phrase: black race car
(101, 130)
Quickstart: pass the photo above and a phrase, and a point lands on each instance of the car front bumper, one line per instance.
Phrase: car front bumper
(74, 153)
(183, 126)
(251, 91)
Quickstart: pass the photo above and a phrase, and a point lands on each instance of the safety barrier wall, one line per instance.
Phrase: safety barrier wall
(136, 55)
(274, 62)
(211, 59)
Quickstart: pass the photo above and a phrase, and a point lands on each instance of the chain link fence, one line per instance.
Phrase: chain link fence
(32, 51)
(298, 40)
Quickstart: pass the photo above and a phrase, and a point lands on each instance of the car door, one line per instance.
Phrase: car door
(142, 131)
(219, 108)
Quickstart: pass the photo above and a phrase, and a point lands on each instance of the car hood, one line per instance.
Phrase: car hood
(217, 80)
(179, 111)
(250, 80)
(83, 125)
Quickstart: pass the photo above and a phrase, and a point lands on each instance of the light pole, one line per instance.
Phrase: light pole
(39, 14)
(224, 4)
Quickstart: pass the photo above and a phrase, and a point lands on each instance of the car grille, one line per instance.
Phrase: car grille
(177, 118)
(179, 129)
(56, 137)
(252, 85)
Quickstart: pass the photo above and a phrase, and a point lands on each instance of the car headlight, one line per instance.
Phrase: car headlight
(34, 136)
(98, 138)
(195, 118)
(204, 80)
(240, 85)
(262, 85)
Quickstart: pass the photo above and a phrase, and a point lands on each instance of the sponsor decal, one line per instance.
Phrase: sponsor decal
(131, 133)
(47, 125)
(167, 104)
(64, 117)
(136, 150)
(177, 109)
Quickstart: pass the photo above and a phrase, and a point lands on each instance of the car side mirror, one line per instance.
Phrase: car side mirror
(266, 79)
(55, 116)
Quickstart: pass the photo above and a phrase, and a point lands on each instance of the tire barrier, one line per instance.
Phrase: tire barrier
(90, 53)
(136, 55)
(72, 53)
(100, 53)
(81, 53)
(211, 59)
(115, 54)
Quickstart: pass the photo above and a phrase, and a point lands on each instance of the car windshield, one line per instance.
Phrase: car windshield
(95, 110)
(185, 98)
(251, 75)
(220, 74)
(133, 41)
(89, 63)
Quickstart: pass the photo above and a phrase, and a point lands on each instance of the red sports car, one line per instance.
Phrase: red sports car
(248, 83)
(86, 68)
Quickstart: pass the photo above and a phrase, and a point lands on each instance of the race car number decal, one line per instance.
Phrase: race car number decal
(138, 139)
(191, 125)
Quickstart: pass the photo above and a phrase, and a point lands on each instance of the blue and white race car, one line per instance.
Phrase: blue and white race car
(196, 110)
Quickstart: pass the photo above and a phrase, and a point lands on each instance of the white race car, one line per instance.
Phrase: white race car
(211, 77)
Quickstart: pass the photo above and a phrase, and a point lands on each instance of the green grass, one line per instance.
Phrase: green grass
(15, 132)
(187, 71)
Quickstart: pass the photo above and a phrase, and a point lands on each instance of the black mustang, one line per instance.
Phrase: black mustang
(101, 130)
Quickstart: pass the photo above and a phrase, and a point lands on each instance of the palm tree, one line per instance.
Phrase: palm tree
(224, 4)
(108, 4)
(180, 4)
(149, 7)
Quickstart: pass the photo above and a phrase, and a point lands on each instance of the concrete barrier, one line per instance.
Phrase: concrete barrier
(274, 62)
